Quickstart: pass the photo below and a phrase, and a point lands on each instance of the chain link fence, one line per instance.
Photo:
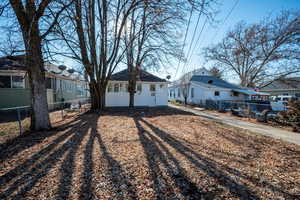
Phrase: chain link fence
(251, 109)
(20, 114)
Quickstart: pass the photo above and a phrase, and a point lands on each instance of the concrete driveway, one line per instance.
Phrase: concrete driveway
(270, 131)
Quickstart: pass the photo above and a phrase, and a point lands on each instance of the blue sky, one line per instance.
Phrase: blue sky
(250, 11)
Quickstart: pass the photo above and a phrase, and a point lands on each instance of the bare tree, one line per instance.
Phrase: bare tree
(93, 34)
(3, 6)
(216, 72)
(260, 53)
(32, 18)
(150, 38)
(11, 44)
(184, 86)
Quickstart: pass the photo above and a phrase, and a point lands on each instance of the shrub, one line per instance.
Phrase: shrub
(291, 116)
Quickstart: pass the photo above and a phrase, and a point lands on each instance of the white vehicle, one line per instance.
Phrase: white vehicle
(278, 105)
(283, 98)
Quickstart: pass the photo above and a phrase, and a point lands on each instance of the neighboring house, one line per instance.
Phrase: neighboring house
(284, 87)
(200, 88)
(150, 90)
(60, 84)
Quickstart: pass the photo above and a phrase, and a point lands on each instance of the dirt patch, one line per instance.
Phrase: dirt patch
(148, 154)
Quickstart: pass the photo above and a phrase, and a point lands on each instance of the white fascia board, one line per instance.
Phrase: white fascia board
(12, 72)
(138, 82)
(208, 86)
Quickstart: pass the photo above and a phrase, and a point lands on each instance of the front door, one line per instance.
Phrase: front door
(152, 99)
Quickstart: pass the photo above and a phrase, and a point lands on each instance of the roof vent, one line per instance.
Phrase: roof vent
(62, 67)
(210, 81)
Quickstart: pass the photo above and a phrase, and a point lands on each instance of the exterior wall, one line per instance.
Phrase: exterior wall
(143, 98)
(202, 94)
(14, 97)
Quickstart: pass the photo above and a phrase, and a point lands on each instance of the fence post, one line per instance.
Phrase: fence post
(20, 123)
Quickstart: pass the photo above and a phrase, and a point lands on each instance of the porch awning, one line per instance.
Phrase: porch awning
(251, 92)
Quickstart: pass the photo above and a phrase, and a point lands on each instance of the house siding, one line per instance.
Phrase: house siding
(202, 94)
(145, 98)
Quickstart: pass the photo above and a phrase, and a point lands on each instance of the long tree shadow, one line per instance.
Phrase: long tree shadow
(157, 153)
(215, 169)
(120, 183)
(20, 180)
(203, 163)
(22, 142)
(25, 176)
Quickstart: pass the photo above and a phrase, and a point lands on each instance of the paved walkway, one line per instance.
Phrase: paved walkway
(276, 133)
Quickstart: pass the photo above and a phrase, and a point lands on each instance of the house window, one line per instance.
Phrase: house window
(18, 82)
(192, 92)
(139, 87)
(297, 95)
(161, 86)
(5, 81)
(152, 88)
(122, 87)
(116, 87)
(217, 93)
(178, 94)
(285, 94)
(236, 94)
(126, 88)
(109, 89)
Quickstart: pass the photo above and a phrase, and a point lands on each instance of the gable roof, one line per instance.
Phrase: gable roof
(211, 80)
(284, 84)
(142, 76)
(8, 63)
(12, 63)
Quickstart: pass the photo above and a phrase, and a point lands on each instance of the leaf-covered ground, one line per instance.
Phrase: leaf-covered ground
(147, 154)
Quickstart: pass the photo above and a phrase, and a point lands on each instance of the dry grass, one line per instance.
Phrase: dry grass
(148, 154)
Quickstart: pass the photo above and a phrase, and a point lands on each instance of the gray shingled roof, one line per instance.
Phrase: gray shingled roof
(12, 63)
(214, 81)
(17, 63)
(284, 84)
(143, 76)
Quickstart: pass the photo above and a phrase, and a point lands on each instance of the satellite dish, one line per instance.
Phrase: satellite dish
(62, 67)
(71, 71)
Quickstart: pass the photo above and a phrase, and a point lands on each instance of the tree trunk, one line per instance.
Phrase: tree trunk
(131, 90)
(102, 99)
(131, 85)
(97, 93)
(34, 61)
(131, 99)
(95, 99)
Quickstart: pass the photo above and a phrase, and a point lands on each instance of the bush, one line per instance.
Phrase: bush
(291, 116)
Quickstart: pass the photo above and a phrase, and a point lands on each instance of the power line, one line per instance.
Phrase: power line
(186, 31)
(193, 38)
(225, 19)
(196, 43)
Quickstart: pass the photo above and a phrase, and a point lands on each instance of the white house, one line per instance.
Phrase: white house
(200, 85)
(151, 90)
